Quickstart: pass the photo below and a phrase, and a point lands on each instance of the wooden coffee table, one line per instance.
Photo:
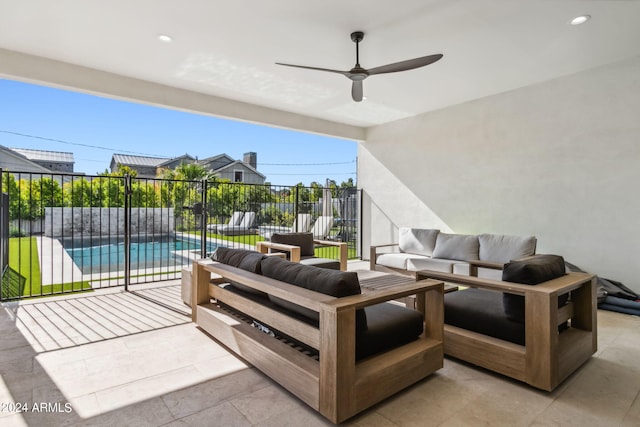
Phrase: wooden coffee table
(377, 280)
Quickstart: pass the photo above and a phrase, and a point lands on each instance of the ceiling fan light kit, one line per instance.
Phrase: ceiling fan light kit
(357, 74)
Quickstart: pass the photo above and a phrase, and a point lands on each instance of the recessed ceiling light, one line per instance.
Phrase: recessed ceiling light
(165, 38)
(580, 19)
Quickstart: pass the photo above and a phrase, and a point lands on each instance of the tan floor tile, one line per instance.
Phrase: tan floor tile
(632, 418)
(152, 412)
(194, 399)
(223, 414)
(265, 403)
(85, 406)
(301, 415)
(601, 394)
(13, 420)
(370, 418)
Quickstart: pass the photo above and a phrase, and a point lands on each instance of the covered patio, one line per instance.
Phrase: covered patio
(527, 126)
(118, 358)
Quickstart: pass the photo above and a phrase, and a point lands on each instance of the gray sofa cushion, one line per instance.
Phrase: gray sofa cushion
(502, 248)
(462, 247)
(435, 264)
(326, 281)
(388, 326)
(304, 240)
(417, 240)
(396, 260)
(530, 271)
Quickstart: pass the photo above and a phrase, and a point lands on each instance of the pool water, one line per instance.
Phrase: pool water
(152, 254)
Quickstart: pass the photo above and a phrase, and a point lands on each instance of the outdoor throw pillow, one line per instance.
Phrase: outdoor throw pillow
(304, 240)
(502, 248)
(530, 271)
(456, 246)
(417, 240)
(241, 258)
(329, 282)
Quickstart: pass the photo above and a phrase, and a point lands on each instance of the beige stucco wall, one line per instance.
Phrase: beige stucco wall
(558, 160)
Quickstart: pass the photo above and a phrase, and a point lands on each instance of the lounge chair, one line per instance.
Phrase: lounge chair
(235, 220)
(301, 224)
(322, 227)
(300, 247)
(246, 226)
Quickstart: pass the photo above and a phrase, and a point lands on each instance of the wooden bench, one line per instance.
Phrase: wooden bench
(334, 383)
(549, 356)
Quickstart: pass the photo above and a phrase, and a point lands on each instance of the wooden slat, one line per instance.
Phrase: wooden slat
(541, 331)
(491, 353)
(573, 350)
(295, 371)
(560, 285)
(382, 376)
(565, 313)
(337, 363)
(296, 329)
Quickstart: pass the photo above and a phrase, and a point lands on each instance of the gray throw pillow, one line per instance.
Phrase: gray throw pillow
(461, 247)
(503, 248)
(417, 241)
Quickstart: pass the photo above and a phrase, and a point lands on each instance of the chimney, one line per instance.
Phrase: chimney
(251, 158)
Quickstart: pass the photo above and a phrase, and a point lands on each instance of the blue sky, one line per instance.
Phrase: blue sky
(93, 128)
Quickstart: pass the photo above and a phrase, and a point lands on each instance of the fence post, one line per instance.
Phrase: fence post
(127, 231)
(296, 207)
(203, 219)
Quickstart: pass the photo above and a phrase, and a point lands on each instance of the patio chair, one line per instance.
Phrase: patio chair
(300, 247)
(246, 226)
(322, 227)
(235, 220)
(301, 224)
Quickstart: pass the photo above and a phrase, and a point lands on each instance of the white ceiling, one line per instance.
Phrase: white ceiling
(228, 48)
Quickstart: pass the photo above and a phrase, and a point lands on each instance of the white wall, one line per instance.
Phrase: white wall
(559, 160)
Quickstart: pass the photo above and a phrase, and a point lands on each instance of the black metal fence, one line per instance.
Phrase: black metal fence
(70, 233)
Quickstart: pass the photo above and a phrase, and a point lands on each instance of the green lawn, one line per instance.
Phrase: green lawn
(23, 277)
(248, 239)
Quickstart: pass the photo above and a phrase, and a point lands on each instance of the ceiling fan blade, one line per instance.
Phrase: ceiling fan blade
(356, 90)
(314, 68)
(409, 64)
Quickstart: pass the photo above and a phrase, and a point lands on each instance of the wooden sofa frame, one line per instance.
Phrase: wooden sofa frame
(548, 356)
(334, 384)
(294, 251)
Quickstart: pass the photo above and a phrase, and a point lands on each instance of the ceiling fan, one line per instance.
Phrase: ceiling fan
(357, 74)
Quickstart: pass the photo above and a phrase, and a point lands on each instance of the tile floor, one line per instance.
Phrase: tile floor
(112, 359)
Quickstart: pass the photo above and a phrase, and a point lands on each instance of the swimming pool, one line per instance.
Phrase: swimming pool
(157, 253)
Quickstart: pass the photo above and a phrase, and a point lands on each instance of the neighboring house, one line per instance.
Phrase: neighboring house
(244, 170)
(222, 166)
(146, 167)
(35, 161)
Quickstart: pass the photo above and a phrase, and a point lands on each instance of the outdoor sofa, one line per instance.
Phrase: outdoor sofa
(482, 255)
(313, 331)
